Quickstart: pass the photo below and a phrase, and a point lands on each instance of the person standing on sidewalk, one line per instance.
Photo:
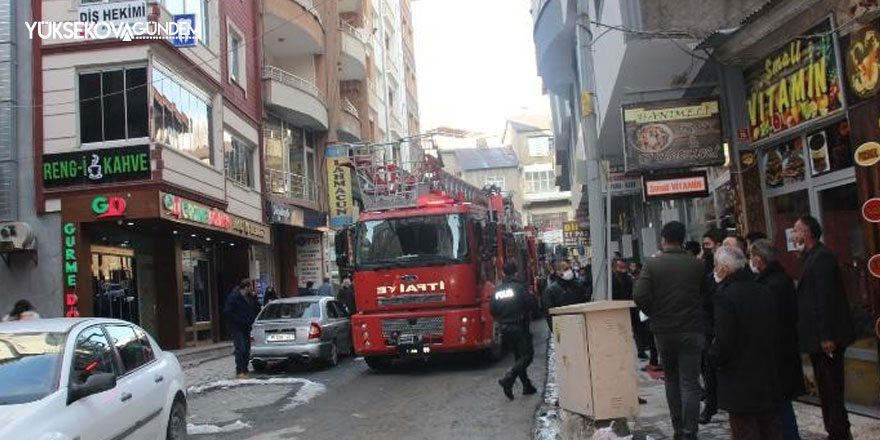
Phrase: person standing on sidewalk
(512, 306)
(825, 326)
(745, 349)
(668, 291)
(239, 311)
(712, 241)
(765, 263)
(563, 290)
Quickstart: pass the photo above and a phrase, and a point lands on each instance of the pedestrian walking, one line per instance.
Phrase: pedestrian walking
(269, 295)
(713, 239)
(22, 310)
(563, 290)
(765, 263)
(668, 291)
(745, 349)
(825, 326)
(622, 290)
(512, 306)
(346, 295)
(239, 311)
(325, 289)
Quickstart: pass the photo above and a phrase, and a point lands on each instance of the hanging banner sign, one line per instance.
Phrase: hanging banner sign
(679, 186)
(71, 299)
(798, 83)
(573, 235)
(93, 167)
(339, 186)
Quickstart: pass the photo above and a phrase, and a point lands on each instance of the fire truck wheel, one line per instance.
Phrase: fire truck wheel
(378, 362)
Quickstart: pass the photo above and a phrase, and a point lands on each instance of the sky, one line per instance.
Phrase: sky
(475, 63)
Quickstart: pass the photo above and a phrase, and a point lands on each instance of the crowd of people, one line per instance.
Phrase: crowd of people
(727, 311)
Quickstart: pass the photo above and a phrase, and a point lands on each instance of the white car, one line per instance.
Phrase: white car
(87, 378)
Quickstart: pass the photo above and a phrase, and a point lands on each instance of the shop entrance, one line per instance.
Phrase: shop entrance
(197, 304)
(114, 283)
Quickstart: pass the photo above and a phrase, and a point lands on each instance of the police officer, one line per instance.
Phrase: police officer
(511, 306)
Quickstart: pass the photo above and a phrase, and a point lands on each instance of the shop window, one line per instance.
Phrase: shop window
(197, 7)
(181, 116)
(93, 354)
(238, 159)
(830, 148)
(785, 210)
(113, 105)
(114, 283)
(128, 345)
(784, 164)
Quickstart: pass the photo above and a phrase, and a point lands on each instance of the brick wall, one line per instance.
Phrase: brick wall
(244, 16)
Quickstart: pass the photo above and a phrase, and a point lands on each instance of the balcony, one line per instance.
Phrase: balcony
(292, 28)
(291, 186)
(351, 5)
(353, 53)
(298, 100)
(350, 123)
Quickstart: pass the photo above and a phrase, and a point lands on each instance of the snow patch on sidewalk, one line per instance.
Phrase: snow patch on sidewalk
(308, 391)
(547, 423)
(193, 429)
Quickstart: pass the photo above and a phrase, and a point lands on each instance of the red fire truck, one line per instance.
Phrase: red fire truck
(425, 256)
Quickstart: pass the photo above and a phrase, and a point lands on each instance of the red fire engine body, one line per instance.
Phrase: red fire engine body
(425, 268)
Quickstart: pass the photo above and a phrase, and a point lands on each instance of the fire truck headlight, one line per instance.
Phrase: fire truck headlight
(427, 350)
(364, 326)
(464, 319)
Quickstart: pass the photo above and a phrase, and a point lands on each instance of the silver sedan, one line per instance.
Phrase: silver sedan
(302, 329)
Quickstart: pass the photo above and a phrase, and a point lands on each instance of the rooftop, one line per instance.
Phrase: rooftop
(472, 159)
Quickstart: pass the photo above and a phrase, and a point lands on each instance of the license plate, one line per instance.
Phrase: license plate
(281, 337)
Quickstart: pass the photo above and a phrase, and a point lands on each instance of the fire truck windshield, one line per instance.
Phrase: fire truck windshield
(410, 241)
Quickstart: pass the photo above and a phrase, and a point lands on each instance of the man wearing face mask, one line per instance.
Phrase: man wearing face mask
(712, 241)
(668, 291)
(825, 326)
(564, 289)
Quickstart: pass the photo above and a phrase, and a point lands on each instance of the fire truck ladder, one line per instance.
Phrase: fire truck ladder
(387, 179)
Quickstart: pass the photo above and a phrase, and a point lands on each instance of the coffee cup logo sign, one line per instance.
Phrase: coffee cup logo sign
(71, 300)
(108, 207)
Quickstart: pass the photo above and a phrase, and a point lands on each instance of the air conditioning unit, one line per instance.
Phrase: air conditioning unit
(17, 236)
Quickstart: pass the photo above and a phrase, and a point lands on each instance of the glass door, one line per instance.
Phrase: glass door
(197, 297)
(114, 283)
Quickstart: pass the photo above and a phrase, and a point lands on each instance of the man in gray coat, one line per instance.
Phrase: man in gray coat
(669, 292)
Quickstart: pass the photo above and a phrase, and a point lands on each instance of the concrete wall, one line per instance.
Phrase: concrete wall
(22, 279)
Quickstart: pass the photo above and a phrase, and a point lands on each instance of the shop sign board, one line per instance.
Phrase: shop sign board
(797, 83)
(672, 134)
(573, 235)
(868, 154)
(871, 210)
(120, 12)
(108, 207)
(92, 167)
(285, 214)
(179, 209)
(677, 186)
(862, 53)
(623, 184)
(874, 266)
(309, 259)
(339, 186)
(71, 298)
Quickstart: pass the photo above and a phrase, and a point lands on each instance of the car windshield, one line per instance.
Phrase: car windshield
(412, 240)
(285, 310)
(29, 365)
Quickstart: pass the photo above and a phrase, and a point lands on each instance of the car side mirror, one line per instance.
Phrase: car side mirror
(96, 383)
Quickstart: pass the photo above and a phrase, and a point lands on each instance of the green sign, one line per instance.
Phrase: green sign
(96, 166)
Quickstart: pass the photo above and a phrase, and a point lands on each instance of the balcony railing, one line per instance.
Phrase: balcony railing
(349, 108)
(285, 77)
(349, 29)
(290, 185)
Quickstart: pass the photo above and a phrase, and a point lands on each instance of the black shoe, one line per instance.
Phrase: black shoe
(642, 401)
(529, 389)
(706, 416)
(507, 386)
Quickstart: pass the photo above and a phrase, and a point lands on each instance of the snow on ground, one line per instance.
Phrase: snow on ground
(305, 394)
(547, 423)
(193, 429)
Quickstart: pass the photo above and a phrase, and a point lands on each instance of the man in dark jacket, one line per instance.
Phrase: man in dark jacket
(563, 290)
(240, 313)
(668, 291)
(825, 326)
(512, 305)
(744, 350)
(622, 290)
(771, 274)
(346, 295)
(712, 241)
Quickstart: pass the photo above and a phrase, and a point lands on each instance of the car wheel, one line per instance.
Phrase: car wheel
(378, 362)
(177, 421)
(333, 359)
(259, 365)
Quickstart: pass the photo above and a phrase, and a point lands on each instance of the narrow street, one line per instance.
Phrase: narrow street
(448, 397)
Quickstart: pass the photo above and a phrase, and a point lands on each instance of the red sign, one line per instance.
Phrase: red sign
(108, 207)
(874, 266)
(742, 134)
(871, 210)
(693, 185)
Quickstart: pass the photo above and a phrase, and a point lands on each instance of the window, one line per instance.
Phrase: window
(290, 310)
(235, 58)
(113, 105)
(290, 159)
(29, 372)
(197, 7)
(341, 309)
(540, 181)
(181, 116)
(149, 352)
(93, 354)
(332, 311)
(495, 180)
(539, 146)
(131, 351)
(412, 240)
(238, 159)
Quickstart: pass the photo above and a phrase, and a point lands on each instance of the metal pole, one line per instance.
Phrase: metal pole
(590, 135)
(607, 182)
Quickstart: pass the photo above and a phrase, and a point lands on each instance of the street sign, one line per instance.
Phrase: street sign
(871, 210)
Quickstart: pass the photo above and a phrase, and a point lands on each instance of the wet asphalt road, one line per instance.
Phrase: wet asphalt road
(450, 397)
